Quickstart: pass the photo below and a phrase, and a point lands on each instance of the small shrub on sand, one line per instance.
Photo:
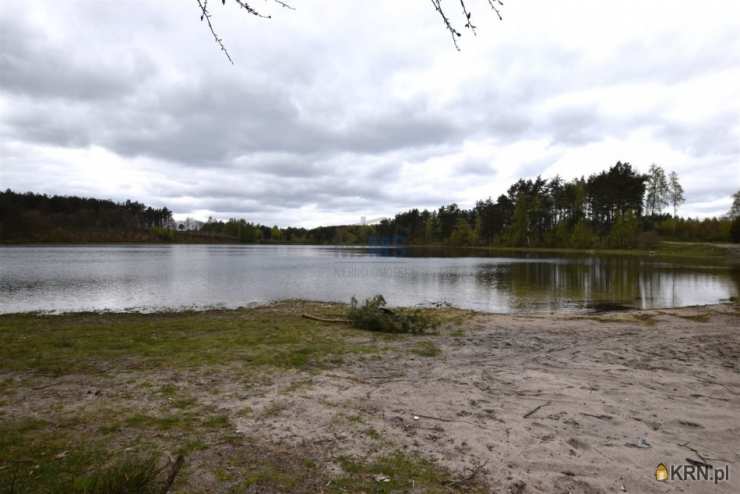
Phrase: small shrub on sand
(373, 315)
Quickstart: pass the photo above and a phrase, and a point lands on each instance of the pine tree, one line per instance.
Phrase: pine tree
(735, 209)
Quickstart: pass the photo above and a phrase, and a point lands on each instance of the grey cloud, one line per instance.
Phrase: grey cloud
(476, 168)
(703, 138)
(32, 65)
(577, 125)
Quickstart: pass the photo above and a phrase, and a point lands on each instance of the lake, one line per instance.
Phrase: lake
(154, 277)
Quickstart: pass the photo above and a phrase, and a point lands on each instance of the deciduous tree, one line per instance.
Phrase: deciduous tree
(657, 191)
(675, 192)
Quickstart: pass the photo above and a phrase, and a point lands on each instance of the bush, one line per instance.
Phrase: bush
(582, 237)
(164, 234)
(624, 232)
(374, 316)
(648, 240)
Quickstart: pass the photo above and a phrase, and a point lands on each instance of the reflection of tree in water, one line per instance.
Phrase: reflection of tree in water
(597, 281)
(541, 282)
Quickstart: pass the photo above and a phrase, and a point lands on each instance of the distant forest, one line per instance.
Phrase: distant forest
(618, 208)
(35, 217)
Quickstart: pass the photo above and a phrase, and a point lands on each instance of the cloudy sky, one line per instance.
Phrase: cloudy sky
(339, 110)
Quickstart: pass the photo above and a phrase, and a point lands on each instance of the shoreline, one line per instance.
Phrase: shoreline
(666, 249)
(263, 399)
(162, 311)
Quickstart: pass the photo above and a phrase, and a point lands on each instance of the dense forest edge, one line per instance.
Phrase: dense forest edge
(617, 209)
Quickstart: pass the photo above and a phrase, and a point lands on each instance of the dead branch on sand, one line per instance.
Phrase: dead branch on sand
(535, 410)
(324, 319)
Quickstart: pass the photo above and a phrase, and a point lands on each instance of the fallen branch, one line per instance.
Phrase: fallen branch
(600, 417)
(430, 417)
(173, 473)
(442, 419)
(324, 319)
(699, 463)
(535, 410)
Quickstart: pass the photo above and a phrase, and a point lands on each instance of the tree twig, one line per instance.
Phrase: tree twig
(443, 419)
(205, 16)
(535, 410)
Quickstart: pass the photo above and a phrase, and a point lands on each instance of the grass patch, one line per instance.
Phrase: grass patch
(426, 349)
(37, 456)
(275, 337)
(404, 473)
(132, 474)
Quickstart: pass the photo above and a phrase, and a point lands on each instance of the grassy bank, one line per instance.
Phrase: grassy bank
(118, 397)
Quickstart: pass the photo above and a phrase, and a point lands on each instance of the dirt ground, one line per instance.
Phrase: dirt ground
(551, 404)
(598, 384)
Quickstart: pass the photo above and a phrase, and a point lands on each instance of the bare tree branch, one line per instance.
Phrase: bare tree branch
(495, 5)
(203, 4)
(453, 32)
(466, 13)
(248, 8)
(283, 4)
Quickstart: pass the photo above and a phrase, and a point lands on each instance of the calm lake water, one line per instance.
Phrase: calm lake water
(150, 277)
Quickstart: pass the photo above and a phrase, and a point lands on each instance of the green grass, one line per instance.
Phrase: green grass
(405, 472)
(130, 474)
(38, 456)
(56, 345)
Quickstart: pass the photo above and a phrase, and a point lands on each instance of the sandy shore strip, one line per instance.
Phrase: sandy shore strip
(263, 400)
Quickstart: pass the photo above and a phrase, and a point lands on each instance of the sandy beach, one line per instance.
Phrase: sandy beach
(496, 403)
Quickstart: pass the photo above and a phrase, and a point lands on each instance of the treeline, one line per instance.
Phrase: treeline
(246, 232)
(38, 217)
(617, 208)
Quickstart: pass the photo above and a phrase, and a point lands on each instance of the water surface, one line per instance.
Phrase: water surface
(153, 277)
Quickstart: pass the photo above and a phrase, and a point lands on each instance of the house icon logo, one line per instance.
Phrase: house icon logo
(661, 473)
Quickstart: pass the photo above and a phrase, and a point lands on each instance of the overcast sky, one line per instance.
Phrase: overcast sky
(343, 109)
